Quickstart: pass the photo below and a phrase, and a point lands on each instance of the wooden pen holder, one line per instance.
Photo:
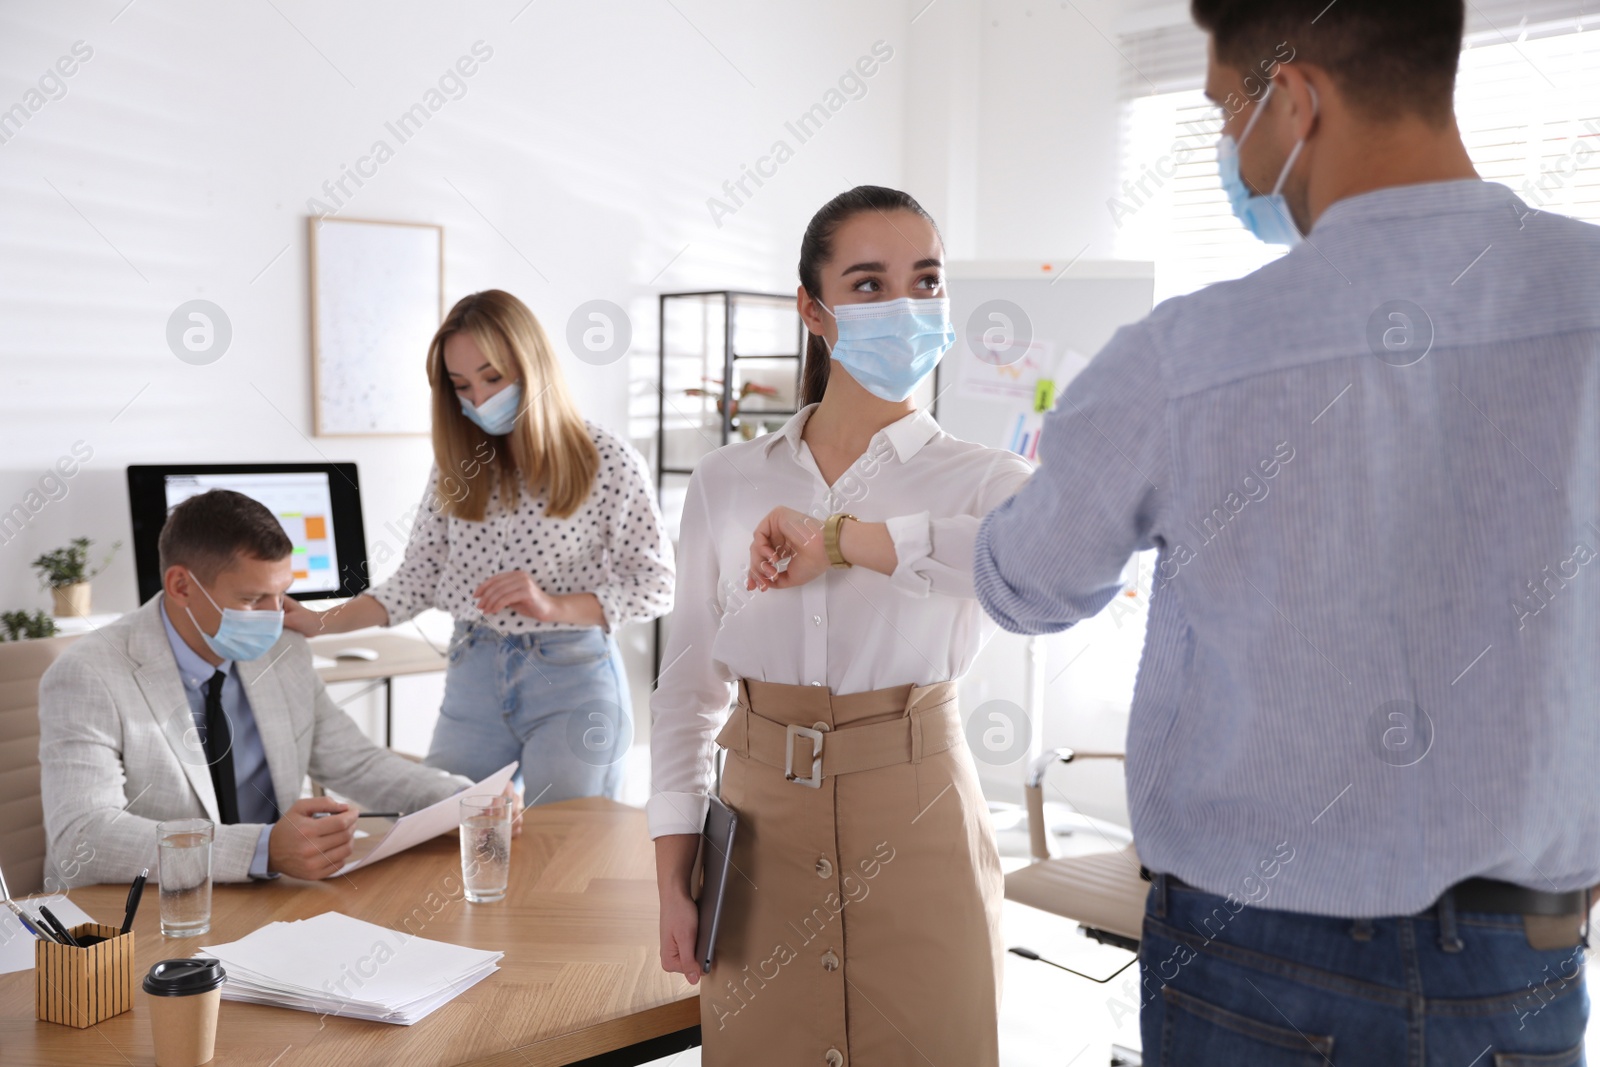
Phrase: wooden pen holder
(82, 986)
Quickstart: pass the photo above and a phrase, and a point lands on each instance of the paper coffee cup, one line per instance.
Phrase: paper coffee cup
(184, 995)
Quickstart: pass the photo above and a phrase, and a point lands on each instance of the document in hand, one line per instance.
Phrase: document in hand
(430, 822)
(337, 965)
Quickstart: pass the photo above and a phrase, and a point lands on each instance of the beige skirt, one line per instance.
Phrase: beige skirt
(862, 920)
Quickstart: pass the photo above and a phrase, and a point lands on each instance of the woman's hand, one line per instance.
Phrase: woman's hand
(515, 591)
(301, 619)
(680, 926)
(786, 534)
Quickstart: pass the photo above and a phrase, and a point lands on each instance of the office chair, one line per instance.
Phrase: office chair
(1103, 892)
(22, 839)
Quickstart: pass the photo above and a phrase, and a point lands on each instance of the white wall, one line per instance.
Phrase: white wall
(577, 165)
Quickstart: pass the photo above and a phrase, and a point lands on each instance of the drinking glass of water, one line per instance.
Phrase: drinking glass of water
(485, 847)
(184, 868)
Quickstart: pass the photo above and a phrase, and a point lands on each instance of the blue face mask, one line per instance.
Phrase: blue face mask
(243, 634)
(1267, 217)
(892, 345)
(499, 412)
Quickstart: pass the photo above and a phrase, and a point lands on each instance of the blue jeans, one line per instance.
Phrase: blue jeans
(1228, 984)
(555, 700)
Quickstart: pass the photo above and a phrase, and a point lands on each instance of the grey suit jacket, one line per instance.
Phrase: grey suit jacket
(118, 752)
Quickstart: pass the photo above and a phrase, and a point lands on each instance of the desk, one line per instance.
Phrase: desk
(397, 655)
(581, 975)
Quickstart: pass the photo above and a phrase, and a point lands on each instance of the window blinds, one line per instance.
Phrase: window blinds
(1528, 102)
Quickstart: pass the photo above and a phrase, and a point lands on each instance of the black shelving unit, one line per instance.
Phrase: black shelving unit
(709, 354)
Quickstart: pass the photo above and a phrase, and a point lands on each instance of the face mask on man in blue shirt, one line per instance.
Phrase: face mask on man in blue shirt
(1267, 217)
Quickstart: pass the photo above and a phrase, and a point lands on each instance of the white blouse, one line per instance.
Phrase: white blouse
(614, 546)
(852, 629)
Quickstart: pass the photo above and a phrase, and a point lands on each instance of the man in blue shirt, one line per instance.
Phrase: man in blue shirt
(1363, 746)
(199, 705)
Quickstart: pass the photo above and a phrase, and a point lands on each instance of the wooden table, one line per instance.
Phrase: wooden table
(581, 975)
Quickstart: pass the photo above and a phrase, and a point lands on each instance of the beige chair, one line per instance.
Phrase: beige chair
(22, 840)
(1104, 892)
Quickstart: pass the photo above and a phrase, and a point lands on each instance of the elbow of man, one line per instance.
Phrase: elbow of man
(1015, 611)
(1017, 620)
(73, 858)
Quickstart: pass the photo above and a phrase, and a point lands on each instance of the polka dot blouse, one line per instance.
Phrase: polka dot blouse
(614, 546)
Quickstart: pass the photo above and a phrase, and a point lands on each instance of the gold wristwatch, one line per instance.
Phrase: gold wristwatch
(830, 538)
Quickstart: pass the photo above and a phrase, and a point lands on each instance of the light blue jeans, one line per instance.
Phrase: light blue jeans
(556, 700)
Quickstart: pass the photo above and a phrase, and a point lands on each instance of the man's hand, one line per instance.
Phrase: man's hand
(786, 534)
(303, 846)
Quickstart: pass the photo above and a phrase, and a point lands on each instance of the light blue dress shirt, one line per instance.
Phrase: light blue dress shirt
(257, 800)
(1372, 472)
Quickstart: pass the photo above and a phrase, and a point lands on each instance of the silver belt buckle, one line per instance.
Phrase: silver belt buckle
(792, 731)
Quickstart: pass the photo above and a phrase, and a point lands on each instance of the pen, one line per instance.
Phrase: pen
(135, 891)
(62, 933)
(364, 814)
(28, 924)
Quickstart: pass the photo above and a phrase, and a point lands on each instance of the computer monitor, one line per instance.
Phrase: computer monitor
(319, 505)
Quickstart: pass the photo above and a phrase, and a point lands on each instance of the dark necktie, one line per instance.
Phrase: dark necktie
(219, 751)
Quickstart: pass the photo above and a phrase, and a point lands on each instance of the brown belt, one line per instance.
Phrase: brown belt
(808, 754)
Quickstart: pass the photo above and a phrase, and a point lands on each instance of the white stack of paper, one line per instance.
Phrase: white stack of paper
(336, 965)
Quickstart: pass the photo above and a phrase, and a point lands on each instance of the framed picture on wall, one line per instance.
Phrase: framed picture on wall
(377, 296)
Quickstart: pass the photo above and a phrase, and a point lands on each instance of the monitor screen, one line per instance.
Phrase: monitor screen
(318, 505)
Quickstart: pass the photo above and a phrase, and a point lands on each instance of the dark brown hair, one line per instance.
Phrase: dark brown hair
(1389, 57)
(206, 533)
(816, 249)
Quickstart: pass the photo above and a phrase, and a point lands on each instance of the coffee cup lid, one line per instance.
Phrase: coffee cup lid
(181, 978)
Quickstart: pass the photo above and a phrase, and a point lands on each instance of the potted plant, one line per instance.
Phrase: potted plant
(65, 573)
(22, 625)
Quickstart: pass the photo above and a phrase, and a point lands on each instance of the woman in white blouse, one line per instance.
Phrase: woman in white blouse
(825, 589)
(539, 532)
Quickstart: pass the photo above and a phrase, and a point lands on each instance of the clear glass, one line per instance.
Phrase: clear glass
(183, 857)
(485, 847)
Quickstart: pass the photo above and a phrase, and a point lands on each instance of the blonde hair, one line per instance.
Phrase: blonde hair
(550, 447)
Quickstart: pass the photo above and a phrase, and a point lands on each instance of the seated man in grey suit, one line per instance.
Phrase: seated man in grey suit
(199, 704)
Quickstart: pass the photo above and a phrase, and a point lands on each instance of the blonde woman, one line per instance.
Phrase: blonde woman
(825, 589)
(539, 532)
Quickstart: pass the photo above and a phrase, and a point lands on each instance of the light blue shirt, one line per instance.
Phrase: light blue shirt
(1372, 472)
(257, 800)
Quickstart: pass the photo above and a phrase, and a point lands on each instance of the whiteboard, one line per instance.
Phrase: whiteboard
(377, 297)
(1023, 321)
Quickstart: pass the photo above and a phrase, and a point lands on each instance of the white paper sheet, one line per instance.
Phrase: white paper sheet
(16, 944)
(430, 822)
